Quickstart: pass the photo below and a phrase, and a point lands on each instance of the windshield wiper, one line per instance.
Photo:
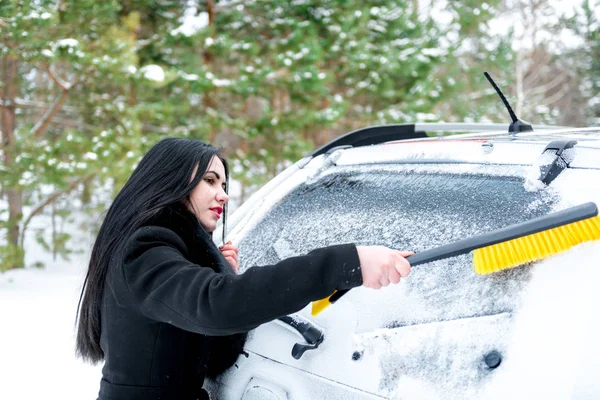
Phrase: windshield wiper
(311, 334)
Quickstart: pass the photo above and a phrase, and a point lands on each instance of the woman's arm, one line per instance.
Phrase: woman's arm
(169, 288)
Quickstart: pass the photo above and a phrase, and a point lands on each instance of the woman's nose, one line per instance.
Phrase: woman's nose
(222, 196)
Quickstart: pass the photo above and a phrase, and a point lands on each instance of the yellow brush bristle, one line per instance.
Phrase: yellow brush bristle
(535, 247)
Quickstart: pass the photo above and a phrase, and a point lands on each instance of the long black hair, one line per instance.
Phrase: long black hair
(162, 178)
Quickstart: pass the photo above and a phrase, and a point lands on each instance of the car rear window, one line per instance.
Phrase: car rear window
(409, 209)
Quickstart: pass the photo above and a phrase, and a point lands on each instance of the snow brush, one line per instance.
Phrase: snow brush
(512, 246)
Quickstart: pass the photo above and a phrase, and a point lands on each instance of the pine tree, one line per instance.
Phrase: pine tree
(68, 79)
(458, 89)
(296, 74)
(585, 58)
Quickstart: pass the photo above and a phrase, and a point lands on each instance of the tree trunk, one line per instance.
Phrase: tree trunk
(208, 99)
(9, 150)
(54, 232)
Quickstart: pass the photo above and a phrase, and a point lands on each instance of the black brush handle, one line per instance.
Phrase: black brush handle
(560, 218)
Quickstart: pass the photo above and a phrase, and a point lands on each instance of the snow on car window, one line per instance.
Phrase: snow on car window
(405, 210)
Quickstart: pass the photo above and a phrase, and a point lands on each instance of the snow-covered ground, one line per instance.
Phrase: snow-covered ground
(37, 316)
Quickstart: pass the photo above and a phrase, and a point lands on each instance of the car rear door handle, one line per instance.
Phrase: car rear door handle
(311, 334)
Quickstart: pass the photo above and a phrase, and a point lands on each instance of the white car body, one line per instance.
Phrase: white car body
(428, 337)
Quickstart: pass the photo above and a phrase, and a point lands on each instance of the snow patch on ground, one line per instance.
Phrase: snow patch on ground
(38, 308)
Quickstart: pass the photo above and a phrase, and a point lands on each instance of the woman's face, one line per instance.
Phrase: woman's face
(208, 198)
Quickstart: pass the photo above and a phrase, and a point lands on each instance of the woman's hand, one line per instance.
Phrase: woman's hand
(230, 252)
(381, 266)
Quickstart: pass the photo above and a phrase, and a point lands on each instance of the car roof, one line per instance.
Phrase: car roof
(589, 134)
(386, 133)
(485, 147)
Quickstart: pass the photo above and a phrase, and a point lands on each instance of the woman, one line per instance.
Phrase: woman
(163, 307)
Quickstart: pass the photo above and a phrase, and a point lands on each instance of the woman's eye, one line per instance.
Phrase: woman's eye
(209, 180)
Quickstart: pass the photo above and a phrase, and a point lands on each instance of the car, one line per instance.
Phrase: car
(444, 332)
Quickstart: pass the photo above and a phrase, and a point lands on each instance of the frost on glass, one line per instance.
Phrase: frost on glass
(405, 211)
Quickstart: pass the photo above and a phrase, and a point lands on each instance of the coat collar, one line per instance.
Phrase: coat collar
(202, 250)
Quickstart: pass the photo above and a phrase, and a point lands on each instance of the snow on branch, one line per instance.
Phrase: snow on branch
(51, 199)
(42, 125)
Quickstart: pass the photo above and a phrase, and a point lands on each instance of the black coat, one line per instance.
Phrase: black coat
(172, 313)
